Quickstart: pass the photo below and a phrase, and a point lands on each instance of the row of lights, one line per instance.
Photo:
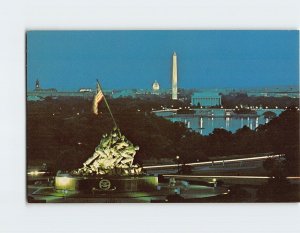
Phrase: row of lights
(256, 107)
(35, 173)
(237, 107)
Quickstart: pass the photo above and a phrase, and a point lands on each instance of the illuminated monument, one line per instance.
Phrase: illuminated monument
(174, 77)
(114, 156)
(110, 168)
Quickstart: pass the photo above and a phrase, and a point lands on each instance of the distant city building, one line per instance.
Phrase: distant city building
(206, 99)
(37, 84)
(174, 77)
(34, 98)
(85, 90)
(124, 93)
(291, 94)
(155, 88)
(41, 93)
(39, 89)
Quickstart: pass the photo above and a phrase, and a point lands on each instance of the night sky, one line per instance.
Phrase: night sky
(69, 60)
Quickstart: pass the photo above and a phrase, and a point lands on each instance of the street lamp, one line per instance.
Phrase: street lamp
(215, 182)
(177, 158)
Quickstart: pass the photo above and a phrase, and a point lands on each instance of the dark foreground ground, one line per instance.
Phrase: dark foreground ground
(188, 189)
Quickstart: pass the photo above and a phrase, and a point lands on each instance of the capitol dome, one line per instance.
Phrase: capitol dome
(155, 86)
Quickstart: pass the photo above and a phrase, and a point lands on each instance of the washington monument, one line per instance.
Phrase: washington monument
(174, 77)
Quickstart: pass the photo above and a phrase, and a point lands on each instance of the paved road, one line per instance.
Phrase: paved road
(216, 165)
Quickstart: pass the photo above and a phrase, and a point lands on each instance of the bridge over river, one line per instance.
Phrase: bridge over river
(204, 121)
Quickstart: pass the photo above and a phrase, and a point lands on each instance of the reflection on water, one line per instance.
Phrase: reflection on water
(205, 121)
(206, 125)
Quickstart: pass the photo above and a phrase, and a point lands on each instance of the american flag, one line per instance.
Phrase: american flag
(97, 99)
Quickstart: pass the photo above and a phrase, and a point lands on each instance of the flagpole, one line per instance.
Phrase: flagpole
(107, 105)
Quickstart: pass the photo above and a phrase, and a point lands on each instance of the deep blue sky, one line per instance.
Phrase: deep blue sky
(69, 60)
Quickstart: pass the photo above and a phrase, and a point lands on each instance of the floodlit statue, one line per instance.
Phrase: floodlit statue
(114, 156)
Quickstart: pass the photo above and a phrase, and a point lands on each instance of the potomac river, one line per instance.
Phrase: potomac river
(205, 121)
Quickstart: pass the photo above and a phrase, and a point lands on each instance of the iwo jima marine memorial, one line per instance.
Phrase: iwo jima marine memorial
(109, 175)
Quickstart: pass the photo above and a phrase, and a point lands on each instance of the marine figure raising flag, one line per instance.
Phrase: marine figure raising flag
(97, 99)
(114, 155)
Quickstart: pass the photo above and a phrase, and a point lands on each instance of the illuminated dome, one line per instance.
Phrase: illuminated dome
(155, 86)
